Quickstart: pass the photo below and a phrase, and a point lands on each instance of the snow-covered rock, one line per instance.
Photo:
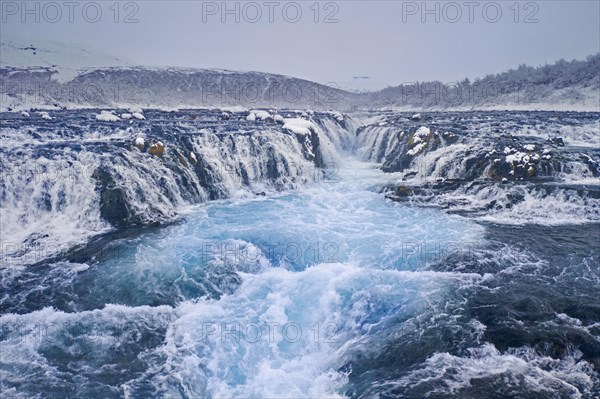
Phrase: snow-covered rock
(157, 149)
(338, 116)
(421, 134)
(140, 143)
(299, 126)
(262, 115)
(107, 116)
(138, 115)
(417, 149)
(126, 116)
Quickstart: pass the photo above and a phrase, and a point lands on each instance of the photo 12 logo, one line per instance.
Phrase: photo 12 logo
(270, 12)
(69, 11)
(469, 11)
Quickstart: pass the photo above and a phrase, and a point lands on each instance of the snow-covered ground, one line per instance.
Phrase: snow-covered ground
(116, 83)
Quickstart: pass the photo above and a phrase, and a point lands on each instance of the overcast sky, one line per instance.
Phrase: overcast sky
(366, 44)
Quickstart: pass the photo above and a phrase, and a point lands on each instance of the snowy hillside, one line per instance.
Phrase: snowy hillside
(52, 75)
(65, 60)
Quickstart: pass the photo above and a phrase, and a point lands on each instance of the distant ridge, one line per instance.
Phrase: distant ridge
(49, 74)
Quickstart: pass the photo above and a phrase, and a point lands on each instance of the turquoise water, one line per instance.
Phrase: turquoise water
(253, 297)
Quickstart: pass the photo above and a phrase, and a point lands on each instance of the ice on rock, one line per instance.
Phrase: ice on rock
(278, 118)
(126, 116)
(138, 115)
(529, 147)
(25, 114)
(134, 110)
(251, 117)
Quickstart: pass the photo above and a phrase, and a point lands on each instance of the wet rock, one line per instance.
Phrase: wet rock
(403, 191)
(157, 149)
(113, 204)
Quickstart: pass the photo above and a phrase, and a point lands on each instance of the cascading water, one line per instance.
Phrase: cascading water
(330, 290)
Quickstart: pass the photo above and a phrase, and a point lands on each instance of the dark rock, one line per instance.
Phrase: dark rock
(113, 204)
(403, 191)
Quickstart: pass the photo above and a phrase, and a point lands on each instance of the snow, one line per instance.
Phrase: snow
(139, 142)
(420, 134)
(126, 116)
(260, 114)
(45, 115)
(66, 60)
(136, 110)
(138, 115)
(546, 151)
(529, 147)
(417, 149)
(251, 117)
(416, 116)
(193, 157)
(337, 116)
(517, 157)
(107, 116)
(299, 126)
(278, 118)
(25, 114)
